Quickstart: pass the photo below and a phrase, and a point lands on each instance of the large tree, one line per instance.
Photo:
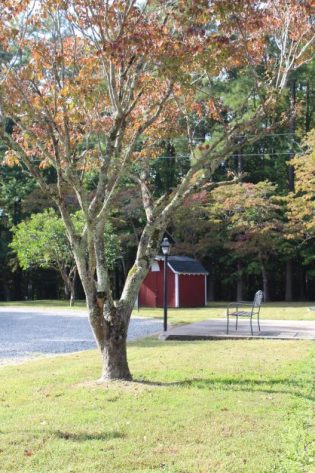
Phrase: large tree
(253, 224)
(301, 204)
(41, 242)
(95, 86)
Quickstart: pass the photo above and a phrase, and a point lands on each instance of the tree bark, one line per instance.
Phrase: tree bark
(66, 291)
(72, 283)
(292, 131)
(30, 290)
(110, 327)
(239, 286)
(69, 293)
(69, 279)
(309, 111)
(72, 297)
(7, 292)
(211, 296)
(265, 282)
(301, 283)
(288, 281)
(109, 319)
(115, 364)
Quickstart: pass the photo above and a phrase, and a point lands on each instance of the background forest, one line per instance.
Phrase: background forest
(257, 232)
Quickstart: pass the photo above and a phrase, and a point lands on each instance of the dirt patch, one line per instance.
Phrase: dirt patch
(136, 386)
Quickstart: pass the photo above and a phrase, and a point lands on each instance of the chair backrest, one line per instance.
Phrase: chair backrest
(258, 298)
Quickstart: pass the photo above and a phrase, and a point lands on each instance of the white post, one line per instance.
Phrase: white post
(176, 290)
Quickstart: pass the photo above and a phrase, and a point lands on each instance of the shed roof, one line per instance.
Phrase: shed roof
(184, 265)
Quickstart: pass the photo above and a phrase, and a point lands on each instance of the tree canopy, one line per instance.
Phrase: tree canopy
(94, 88)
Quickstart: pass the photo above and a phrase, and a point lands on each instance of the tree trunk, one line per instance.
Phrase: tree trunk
(239, 286)
(30, 290)
(115, 364)
(69, 292)
(301, 283)
(210, 287)
(66, 290)
(109, 319)
(72, 284)
(69, 279)
(7, 292)
(72, 298)
(265, 282)
(288, 281)
(309, 111)
(292, 131)
(110, 327)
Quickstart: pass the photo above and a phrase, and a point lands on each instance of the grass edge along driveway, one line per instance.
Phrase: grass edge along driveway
(269, 311)
(228, 406)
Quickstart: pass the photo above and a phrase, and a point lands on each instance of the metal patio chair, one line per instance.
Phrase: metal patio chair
(245, 309)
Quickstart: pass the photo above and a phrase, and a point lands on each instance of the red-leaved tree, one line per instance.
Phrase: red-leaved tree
(90, 85)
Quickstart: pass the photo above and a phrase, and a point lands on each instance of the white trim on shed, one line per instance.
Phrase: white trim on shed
(176, 290)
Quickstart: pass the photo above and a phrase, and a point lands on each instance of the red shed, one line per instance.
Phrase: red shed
(187, 283)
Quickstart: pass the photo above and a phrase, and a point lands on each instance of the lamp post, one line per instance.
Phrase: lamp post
(166, 247)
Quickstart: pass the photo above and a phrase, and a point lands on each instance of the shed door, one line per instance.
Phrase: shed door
(191, 290)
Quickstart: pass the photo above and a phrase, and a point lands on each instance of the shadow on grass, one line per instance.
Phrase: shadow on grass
(274, 386)
(153, 342)
(85, 436)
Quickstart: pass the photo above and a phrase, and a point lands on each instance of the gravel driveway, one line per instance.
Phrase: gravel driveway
(27, 333)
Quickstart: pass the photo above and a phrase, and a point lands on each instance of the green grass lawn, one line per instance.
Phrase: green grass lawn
(272, 310)
(46, 304)
(197, 407)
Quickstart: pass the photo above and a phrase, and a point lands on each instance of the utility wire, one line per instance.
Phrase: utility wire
(247, 136)
(184, 156)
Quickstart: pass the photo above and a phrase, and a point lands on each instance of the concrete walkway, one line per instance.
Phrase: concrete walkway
(216, 329)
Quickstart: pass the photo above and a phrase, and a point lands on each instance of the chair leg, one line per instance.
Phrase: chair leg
(227, 323)
(251, 325)
(236, 322)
